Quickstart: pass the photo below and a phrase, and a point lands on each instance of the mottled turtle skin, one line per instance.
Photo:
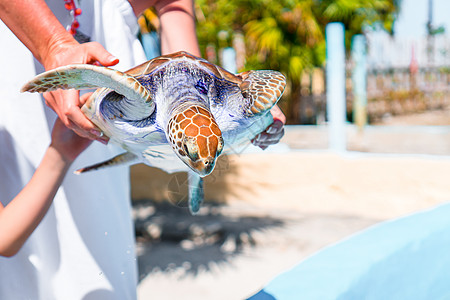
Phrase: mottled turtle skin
(176, 112)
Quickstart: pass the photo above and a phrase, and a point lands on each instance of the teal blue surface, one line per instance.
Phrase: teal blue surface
(407, 258)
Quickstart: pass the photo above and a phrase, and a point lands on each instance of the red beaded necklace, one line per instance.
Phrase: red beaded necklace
(74, 12)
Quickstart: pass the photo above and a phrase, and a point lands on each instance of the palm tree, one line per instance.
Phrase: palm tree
(287, 38)
(287, 35)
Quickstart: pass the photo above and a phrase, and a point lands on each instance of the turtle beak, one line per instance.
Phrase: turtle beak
(201, 165)
(205, 166)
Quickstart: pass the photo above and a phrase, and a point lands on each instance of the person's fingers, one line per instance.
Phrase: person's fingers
(265, 139)
(277, 114)
(260, 138)
(270, 139)
(98, 53)
(67, 105)
(84, 98)
(272, 135)
(84, 127)
(72, 126)
(62, 101)
(275, 127)
(97, 132)
(54, 100)
(67, 142)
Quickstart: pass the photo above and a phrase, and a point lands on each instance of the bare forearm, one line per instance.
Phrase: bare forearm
(177, 26)
(19, 218)
(177, 21)
(35, 25)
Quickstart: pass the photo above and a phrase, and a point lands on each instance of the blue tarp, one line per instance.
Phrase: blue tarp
(407, 258)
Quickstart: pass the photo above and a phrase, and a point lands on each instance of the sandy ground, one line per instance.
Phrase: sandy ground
(273, 209)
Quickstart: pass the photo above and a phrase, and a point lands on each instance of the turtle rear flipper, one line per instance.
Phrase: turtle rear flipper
(120, 159)
(85, 76)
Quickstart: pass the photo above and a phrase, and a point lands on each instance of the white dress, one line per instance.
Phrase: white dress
(84, 247)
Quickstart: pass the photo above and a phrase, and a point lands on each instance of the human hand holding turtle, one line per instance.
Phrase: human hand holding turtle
(274, 132)
(53, 46)
(66, 103)
(66, 142)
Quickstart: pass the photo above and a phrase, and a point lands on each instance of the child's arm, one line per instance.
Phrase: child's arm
(23, 214)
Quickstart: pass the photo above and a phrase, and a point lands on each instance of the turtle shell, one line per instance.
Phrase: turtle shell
(152, 65)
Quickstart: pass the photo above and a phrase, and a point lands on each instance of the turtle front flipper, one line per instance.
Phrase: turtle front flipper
(120, 159)
(196, 193)
(85, 76)
(263, 88)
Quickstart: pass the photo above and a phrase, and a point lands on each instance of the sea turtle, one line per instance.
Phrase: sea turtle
(175, 112)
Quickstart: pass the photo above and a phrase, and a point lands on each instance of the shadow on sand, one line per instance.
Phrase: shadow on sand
(169, 238)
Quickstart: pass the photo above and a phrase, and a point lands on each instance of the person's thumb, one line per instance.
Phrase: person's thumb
(100, 55)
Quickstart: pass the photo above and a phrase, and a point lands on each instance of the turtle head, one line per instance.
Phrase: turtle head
(196, 139)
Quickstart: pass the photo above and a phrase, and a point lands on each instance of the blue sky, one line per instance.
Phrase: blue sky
(413, 17)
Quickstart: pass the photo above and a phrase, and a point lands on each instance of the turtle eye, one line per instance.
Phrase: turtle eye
(201, 87)
(191, 150)
(220, 146)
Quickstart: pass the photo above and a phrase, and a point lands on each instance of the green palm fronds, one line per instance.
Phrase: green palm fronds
(287, 35)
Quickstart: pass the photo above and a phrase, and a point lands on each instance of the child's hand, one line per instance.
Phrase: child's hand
(68, 144)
